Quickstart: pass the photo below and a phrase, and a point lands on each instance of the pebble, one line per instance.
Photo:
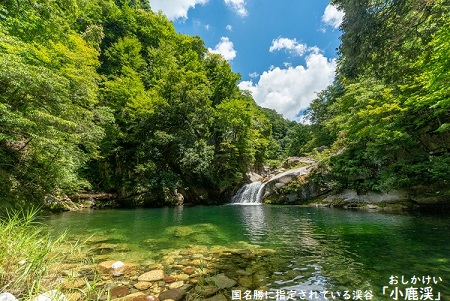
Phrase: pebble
(189, 270)
(169, 279)
(143, 285)
(176, 284)
(154, 275)
(119, 291)
(182, 277)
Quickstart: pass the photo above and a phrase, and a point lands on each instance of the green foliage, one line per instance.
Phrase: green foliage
(48, 105)
(388, 108)
(26, 252)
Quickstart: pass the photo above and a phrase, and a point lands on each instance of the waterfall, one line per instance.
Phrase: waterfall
(249, 194)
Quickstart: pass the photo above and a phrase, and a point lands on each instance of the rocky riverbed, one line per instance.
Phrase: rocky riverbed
(193, 273)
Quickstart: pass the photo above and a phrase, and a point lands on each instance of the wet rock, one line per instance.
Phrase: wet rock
(115, 268)
(119, 291)
(143, 285)
(174, 294)
(7, 297)
(154, 275)
(222, 281)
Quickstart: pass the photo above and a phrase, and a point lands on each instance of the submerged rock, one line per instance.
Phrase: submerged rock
(222, 281)
(218, 297)
(174, 294)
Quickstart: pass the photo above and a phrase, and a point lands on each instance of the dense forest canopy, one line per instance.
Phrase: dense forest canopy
(389, 105)
(105, 95)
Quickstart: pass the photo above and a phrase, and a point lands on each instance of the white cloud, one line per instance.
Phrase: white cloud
(229, 27)
(332, 16)
(254, 74)
(238, 6)
(291, 90)
(225, 48)
(292, 46)
(175, 9)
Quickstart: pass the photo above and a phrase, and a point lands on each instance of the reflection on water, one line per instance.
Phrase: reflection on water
(316, 248)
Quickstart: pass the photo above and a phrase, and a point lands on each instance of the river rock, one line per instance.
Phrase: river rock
(146, 298)
(154, 275)
(115, 268)
(207, 290)
(53, 295)
(143, 285)
(74, 296)
(222, 281)
(182, 277)
(218, 297)
(119, 291)
(131, 297)
(176, 284)
(7, 297)
(169, 279)
(189, 270)
(174, 294)
(245, 281)
(74, 283)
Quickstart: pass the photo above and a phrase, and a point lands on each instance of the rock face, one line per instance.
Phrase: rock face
(285, 177)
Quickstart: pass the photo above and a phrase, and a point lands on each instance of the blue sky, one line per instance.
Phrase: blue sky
(285, 50)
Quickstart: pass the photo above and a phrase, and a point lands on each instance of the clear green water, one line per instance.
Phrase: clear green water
(316, 248)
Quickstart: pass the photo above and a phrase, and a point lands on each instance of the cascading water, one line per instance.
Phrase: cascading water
(249, 194)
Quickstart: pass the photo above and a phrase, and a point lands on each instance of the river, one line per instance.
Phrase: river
(316, 249)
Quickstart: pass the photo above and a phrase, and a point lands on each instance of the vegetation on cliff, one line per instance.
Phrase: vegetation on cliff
(389, 107)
